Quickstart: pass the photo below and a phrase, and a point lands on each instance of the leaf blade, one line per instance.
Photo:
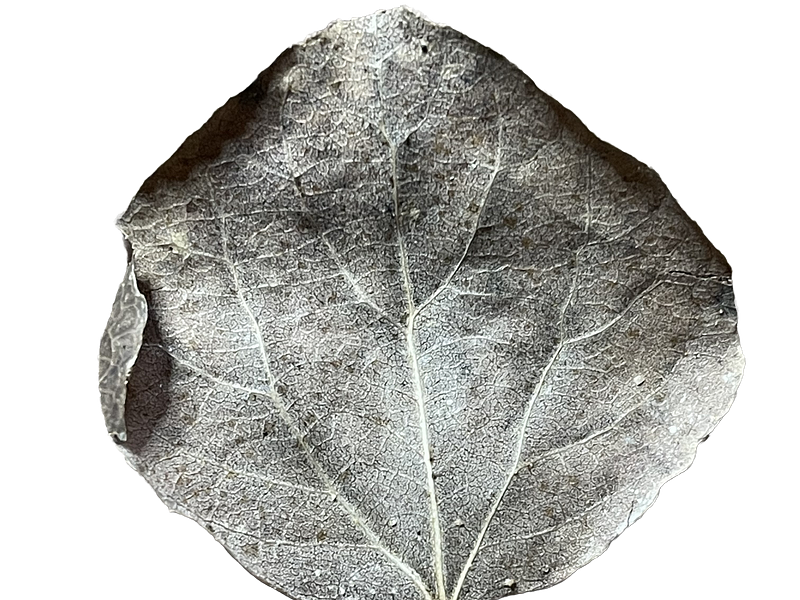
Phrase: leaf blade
(454, 272)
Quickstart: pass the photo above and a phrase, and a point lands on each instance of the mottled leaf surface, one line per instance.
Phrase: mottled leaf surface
(413, 332)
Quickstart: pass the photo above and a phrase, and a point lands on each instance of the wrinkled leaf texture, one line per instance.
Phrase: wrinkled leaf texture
(412, 331)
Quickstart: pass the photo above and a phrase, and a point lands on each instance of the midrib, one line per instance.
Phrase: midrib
(419, 389)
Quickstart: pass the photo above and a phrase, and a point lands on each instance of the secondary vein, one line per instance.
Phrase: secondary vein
(352, 512)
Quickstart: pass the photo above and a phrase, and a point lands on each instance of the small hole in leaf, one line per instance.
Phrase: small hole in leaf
(424, 49)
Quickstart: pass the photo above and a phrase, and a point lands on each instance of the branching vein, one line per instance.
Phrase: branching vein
(323, 476)
(531, 404)
(473, 233)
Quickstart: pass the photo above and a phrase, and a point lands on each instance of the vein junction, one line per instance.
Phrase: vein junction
(329, 484)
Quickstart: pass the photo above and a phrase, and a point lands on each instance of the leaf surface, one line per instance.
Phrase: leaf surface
(412, 331)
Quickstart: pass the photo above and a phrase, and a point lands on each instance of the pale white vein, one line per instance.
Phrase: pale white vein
(418, 385)
(353, 513)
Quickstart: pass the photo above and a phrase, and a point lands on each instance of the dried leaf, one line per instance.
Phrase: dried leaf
(412, 330)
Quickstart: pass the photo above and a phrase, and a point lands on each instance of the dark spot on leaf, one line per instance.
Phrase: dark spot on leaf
(677, 340)
(298, 185)
(305, 224)
(382, 420)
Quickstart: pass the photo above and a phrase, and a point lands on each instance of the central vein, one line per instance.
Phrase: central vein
(419, 389)
(419, 393)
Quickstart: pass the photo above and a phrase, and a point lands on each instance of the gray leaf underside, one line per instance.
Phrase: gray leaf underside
(412, 330)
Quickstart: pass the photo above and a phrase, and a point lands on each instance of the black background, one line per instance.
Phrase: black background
(663, 87)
